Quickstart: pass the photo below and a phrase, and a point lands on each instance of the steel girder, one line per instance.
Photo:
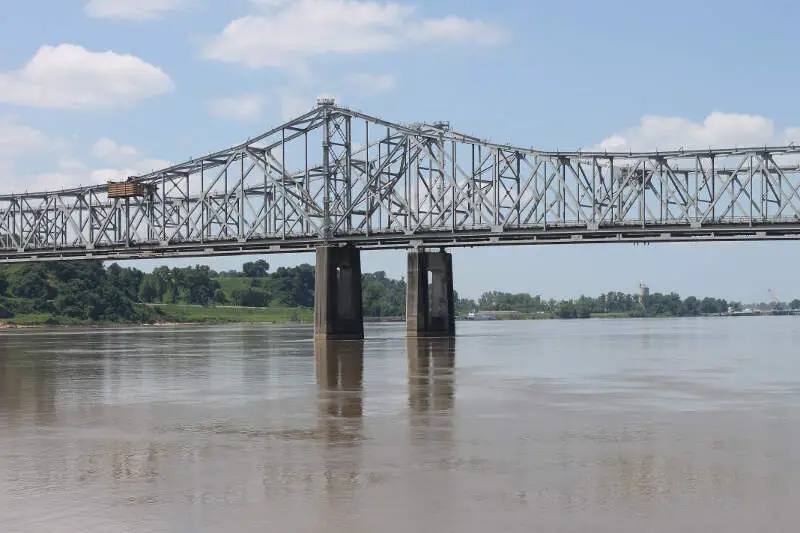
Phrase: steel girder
(334, 175)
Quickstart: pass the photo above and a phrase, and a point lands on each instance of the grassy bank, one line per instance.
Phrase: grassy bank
(179, 313)
(230, 315)
(32, 319)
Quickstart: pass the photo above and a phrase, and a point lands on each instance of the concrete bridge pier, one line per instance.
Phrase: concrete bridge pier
(338, 309)
(430, 307)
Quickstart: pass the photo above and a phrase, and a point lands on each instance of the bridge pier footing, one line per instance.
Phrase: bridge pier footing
(430, 307)
(338, 311)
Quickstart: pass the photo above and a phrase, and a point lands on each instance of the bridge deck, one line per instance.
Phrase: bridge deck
(440, 239)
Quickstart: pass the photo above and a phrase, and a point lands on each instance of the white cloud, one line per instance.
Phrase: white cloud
(72, 172)
(294, 105)
(127, 160)
(32, 160)
(791, 136)
(716, 130)
(107, 150)
(67, 172)
(18, 139)
(457, 29)
(282, 32)
(104, 175)
(60, 179)
(371, 83)
(71, 164)
(57, 166)
(242, 107)
(71, 77)
(132, 9)
(18, 143)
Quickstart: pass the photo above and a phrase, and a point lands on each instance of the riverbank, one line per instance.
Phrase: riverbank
(190, 315)
(176, 315)
(229, 314)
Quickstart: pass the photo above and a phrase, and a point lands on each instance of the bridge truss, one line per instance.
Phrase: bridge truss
(338, 176)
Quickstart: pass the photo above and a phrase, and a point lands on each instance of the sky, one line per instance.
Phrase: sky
(91, 90)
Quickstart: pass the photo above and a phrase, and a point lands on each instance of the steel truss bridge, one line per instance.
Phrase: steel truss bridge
(337, 176)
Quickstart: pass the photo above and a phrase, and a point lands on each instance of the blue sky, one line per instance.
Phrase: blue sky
(90, 90)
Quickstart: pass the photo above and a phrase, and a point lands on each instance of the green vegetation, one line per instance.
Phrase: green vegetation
(77, 293)
(613, 304)
(71, 293)
(286, 287)
(220, 315)
(83, 293)
(382, 296)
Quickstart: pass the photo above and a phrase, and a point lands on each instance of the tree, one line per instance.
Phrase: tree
(76, 300)
(293, 286)
(3, 284)
(691, 307)
(250, 298)
(128, 280)
(33, 285)
(382, 296)
(566, 310)
(712, 305)
(161, 284)
(148, 291)
(583, 307)
(465, 305)
(220, 297)
(196, 284)
(258, 269)
(794, 304)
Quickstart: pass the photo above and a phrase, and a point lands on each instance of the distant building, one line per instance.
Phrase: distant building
(644, 292)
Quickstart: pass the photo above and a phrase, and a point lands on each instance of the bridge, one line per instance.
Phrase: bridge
(339, 181)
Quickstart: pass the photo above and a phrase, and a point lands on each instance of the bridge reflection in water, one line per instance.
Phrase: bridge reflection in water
(188, 428)
(341, 411)
(431, 384)
(340, 378)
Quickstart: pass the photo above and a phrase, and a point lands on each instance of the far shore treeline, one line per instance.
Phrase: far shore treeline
(89, 293)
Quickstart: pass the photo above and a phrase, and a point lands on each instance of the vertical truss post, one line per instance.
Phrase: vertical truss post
(348, 176)
(284, 181)
(326, 171)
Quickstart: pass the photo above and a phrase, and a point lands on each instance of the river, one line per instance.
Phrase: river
(599, 425)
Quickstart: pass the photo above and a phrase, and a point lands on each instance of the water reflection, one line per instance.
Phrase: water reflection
(340, 378)
(194, 429)
(27, 386)
(431, 383)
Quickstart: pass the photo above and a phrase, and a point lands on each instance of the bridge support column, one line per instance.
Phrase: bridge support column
(430, 308)
(337, 296)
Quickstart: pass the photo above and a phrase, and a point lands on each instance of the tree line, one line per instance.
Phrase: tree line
(89, 292)
(77, 292)
(612, 303)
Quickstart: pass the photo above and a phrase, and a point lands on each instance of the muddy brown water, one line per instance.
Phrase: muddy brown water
(601, 425)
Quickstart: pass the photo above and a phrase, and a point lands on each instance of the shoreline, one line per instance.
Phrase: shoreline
(10, 325)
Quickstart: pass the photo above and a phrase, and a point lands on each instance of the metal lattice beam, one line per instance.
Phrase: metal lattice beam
(338, 176)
